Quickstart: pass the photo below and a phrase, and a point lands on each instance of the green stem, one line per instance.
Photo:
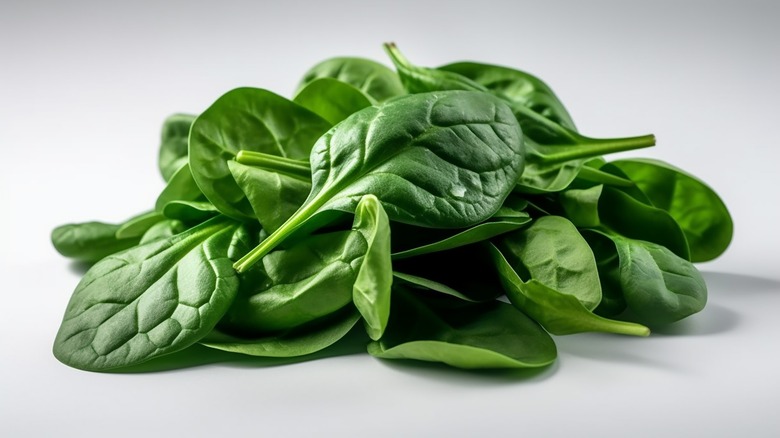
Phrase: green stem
(591, 147)
(396, 56)
(286, 229)
(288, 166)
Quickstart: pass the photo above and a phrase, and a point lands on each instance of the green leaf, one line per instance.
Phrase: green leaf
(162, 230)
(173, 144)
(295, 342)
(247, 119)
(371, 291)
(180, 187)
(552, 252)
(559, 313)
(461, 334)
(190, 212)
(274, 196)
(429, 241)
(370, 77)
(152, 299)
(89, 241)
(138, 225)
(701, 213)
(332, 99)
(430, 162)
(517, 86)
(659, 286)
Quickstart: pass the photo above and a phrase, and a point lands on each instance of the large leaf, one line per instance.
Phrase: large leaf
(446, 159)
(152, 299)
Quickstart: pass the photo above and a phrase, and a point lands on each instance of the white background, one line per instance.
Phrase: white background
(84, 87)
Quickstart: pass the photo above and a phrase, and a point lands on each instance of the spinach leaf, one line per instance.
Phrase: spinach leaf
(559, 313)
(552, 252)
(317, 277)
(332, 99)
(173, 145)
(438, 328)
(605, 252)
(89, 241)
(446, 159)
(426, 242)
(371, 292)
(190, 212)
(370, 77)
(417, 282)
(658, 286)
(152, 299)
(250, 119)
(180, 187)
(137, 226)
(556, 154)
(274, 196)
(162, 230)
(613, 210)
(516, 86)
(298, 341)
(701, 213)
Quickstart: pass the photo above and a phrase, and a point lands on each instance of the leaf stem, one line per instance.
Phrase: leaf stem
(288, 166)
(592, 147)
(287, 228)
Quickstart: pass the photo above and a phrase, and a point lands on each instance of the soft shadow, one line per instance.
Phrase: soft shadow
(198, 355)
(712, 320)
(740, 283)
(79, 268)
(604, 347)
(449, 374)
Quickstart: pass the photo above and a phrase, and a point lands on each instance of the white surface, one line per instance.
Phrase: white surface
(84, 88)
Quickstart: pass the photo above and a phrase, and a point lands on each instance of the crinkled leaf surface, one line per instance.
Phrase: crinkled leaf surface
(370, 77)
(152, 299)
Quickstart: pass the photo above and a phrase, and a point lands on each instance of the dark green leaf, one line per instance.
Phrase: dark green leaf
(331, 99)
(173, 144)
(370, 77)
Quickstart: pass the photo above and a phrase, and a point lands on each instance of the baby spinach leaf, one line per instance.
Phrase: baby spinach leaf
(555, 154)
(190, 212)
(516, 86)
(249, 119)
(559, 313)
(615, 211)
(137, 226)
(152, 299)
(552, 252)
(605, 252)
(298, 341)
(417, 282)
(89, 241)
(446, 159)
(173, 145)
(461, 334)
(180, 187)
(274, 196)
(427, 242)
(631, 218)
(701, 213)
(372, 78)
(318, 276)
(659, 286)
(332, 99)
(162, 230)
(371, 291)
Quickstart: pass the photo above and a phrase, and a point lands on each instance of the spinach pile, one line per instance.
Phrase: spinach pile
(453, 214)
